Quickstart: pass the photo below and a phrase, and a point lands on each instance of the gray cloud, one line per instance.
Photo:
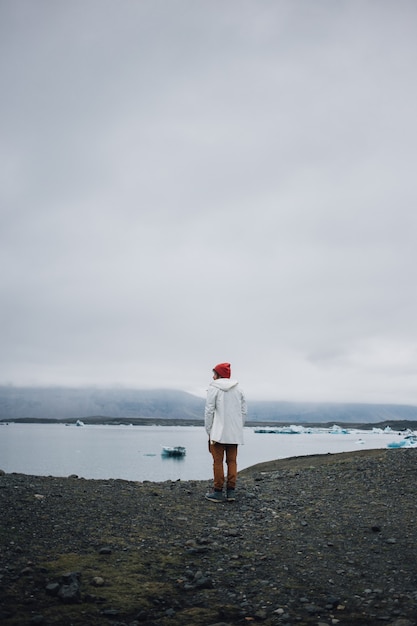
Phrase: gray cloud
(184, 183)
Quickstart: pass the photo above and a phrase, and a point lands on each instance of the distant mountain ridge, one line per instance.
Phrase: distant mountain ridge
(77, 403)
(68, 403)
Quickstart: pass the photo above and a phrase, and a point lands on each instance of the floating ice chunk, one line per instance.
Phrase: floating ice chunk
(338, 430)
(408, 442)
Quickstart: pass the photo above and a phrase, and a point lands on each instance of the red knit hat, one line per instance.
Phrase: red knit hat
(223, 370)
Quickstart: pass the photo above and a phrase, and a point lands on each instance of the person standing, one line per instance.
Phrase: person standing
(224, 418)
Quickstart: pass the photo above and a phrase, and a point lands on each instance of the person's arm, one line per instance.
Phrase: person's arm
(244, 408)
(210, 408)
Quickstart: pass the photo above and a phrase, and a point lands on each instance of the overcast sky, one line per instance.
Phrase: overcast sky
(185, 182)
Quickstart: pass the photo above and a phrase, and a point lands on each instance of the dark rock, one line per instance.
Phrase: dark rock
(143, 616)
(110, 612)
(70, 578)
(197, 550)
(198, 581)
(5, 614)
(70, 594)
(69, 591)
(203, 541)
(204, 583)
(52, 589)
(170, 612)
(188, 586)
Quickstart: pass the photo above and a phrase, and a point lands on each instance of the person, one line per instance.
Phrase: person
(224, 418)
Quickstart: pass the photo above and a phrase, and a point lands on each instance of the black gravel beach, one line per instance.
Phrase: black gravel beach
(322, 540)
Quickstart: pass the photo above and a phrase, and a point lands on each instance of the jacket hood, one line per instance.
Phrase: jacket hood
(224, 384)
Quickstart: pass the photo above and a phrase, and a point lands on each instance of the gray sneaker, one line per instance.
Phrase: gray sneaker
(214, 496)
(230, 495)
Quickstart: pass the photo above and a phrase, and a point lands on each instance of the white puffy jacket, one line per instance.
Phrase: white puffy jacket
(225, 411)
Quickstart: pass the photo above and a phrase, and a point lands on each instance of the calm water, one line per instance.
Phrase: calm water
(134, 452)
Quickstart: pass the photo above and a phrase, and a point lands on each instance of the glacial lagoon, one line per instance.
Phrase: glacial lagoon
(135, 452)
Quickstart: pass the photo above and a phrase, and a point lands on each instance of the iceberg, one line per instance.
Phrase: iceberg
(337, 430)
(283, 430)
(409, 442)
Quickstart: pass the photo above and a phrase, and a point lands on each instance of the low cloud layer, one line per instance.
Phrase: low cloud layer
(187, 183)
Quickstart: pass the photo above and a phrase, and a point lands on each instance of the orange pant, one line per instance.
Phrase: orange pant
(218, 451)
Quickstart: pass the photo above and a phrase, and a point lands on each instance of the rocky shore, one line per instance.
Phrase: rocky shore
(318, 540)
